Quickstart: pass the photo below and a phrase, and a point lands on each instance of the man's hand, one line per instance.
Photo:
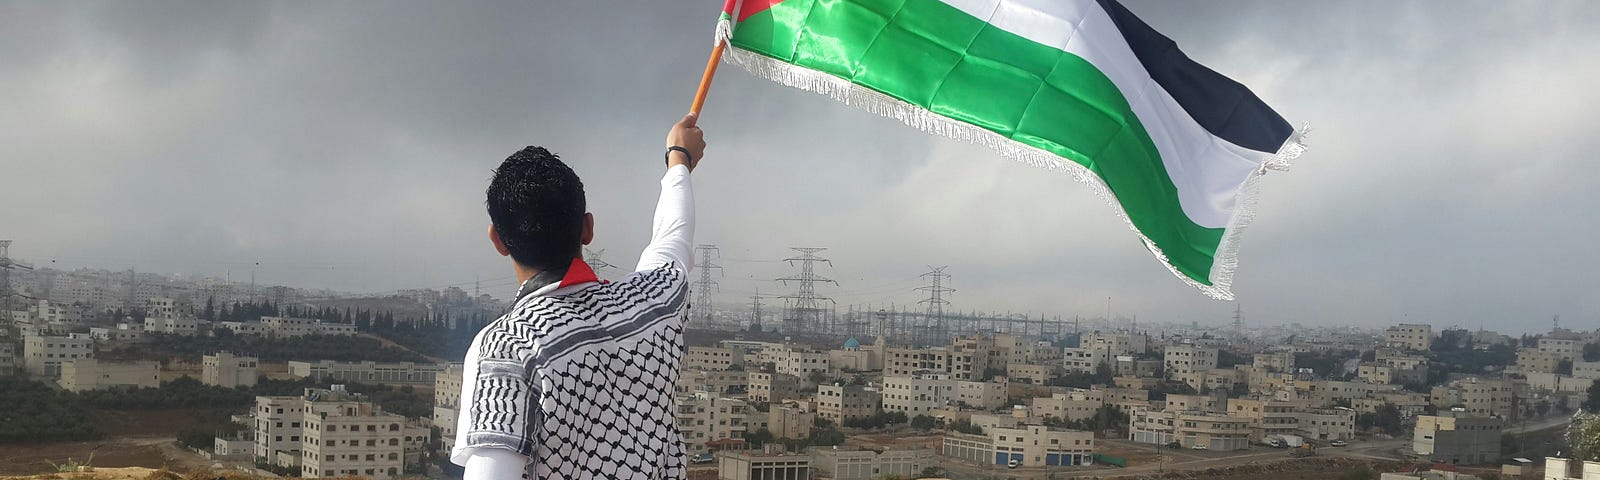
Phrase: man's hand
(685, 134)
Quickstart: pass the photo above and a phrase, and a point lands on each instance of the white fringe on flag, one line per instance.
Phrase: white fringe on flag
(1224, 262)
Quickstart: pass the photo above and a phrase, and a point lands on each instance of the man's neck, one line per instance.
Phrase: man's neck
(524, 273)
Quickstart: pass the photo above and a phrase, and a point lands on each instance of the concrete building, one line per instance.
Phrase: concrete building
(1478, 397)
(86, 374)
(1274, 362)
(1115, 343)
(177, 325)
(762, 465)
(712, 358)
(703, 418)
(785, 421)
(1563, 347)
(122, 332)
(1409, 336)
(289, 327)
(227, 370)
(728, 383)
(1029, 373)
(837, 403)
(987, 395)
(1457, 438)
(917, 394)
(1568, 469)
(907, 361)
(446, 404)
(344, 435)
(852, 358)
(1214, 431)
(1027, 445)
(278, 428)
(397, 373)
(1082, 360)
(1185, 359)
(8, 357)
(1588, 370)
(970, 357)
(1534, 360)
(1071, 405)
(773, 387)
(43, 355)
(793, 360)
(870, 465)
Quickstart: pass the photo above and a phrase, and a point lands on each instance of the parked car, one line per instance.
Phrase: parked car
(1198, 446)
(1175, 446)
(703, 458)
(1338, 443)
(1014, 463)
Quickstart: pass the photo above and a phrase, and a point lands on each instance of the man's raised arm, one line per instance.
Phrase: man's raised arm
(672, 232)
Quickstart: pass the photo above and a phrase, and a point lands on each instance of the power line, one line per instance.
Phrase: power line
(703, 287)
(934, 331)
(804, 308)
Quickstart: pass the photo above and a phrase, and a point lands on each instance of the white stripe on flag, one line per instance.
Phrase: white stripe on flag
(1206, 170)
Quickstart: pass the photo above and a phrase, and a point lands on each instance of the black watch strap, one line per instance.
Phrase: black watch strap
(679, 149)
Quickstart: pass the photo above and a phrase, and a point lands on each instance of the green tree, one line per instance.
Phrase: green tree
(923, 422)
(1583, 435)
(1359, 473)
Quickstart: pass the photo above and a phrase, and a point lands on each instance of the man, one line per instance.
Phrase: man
(576, 380)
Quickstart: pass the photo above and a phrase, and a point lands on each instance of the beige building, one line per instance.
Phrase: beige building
(1563, 347)
(730, 383)
(289, 327)
(793, 360)
(1071, 405)
(920, 394)
(1478, 397)
(837, 403)
(907, 361)
(1534, 360)
(86, 374)
(1457, 438)
(712, 358)
(785, 421)
(1588, 370)
(1028, 373)
(344, 435)
(1026, 445)
(1274, 362)
(177, 325)
(399, 373)
(227, 370)
(1186, 359)
(1083, 360)
(762, 465)
(44, 355)
(854, 358)
(703, 418)
(1409, 336)
(870, 465)
(772, 387)
(447, 404)
(278, 429)
(1214, 431)
(970, 357)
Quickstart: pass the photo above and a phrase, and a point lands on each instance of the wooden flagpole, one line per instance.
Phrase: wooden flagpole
(732, 8)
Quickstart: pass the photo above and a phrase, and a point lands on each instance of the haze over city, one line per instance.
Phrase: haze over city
(347, 147)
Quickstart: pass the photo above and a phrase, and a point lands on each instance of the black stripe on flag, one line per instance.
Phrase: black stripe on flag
(1224, 107)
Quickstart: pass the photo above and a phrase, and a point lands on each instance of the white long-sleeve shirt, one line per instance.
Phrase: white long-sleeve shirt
(576, 380)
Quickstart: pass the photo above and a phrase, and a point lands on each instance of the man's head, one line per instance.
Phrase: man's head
(537, 210)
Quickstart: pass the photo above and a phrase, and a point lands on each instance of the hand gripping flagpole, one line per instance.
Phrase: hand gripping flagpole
(732, 9)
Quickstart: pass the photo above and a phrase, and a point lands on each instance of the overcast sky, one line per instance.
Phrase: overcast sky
(1452, 177)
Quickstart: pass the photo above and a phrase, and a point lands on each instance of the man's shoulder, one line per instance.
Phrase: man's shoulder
(665, 277)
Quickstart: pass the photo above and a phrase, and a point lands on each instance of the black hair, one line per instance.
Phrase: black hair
(536, 203)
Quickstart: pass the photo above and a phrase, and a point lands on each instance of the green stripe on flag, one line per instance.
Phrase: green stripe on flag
(937, 57)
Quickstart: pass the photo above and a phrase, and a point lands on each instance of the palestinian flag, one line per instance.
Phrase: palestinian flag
(1079, 86)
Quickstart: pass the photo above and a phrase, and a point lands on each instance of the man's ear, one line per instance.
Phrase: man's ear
(499, 246)
(588, 228)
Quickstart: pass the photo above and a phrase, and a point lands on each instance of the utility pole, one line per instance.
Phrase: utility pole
(6, 265)
(804, 308)
(704, 286)
(935, 331)
(1238, 321)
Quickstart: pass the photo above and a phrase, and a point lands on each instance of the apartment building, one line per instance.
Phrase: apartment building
(446, 404)
(785, 421)
(919, 394)
(712, 358)
(792, 360)
(1184, 359)
(1083, 360)
(86, 374)
(1071, 405)
(1478, 397)
(870, 465)
(344, 435)
(175, 325)
(1026, 445)
(730, 383)
(970, 357)
(1029, 373)
(1410, 336)
(224, 369)
(772, 387)
(122, 332)
(837, 403)
(907, 361)
(1457, 438)
(395, 373)
(1534, 360)
(43, 355)
(289, 327)
(1274, 362)
(987, 395)
(1115, 343)
(1214, 431)
(1563, 347)
(8, 358)
(703, 417)
(278, 429)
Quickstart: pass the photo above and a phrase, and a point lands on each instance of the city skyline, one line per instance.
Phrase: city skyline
(208, 138)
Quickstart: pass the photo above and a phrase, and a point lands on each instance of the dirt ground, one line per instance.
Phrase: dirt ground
(910, 439)
(44, 458)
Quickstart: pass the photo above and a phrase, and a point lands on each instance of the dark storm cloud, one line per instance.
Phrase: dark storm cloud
(347, 144)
